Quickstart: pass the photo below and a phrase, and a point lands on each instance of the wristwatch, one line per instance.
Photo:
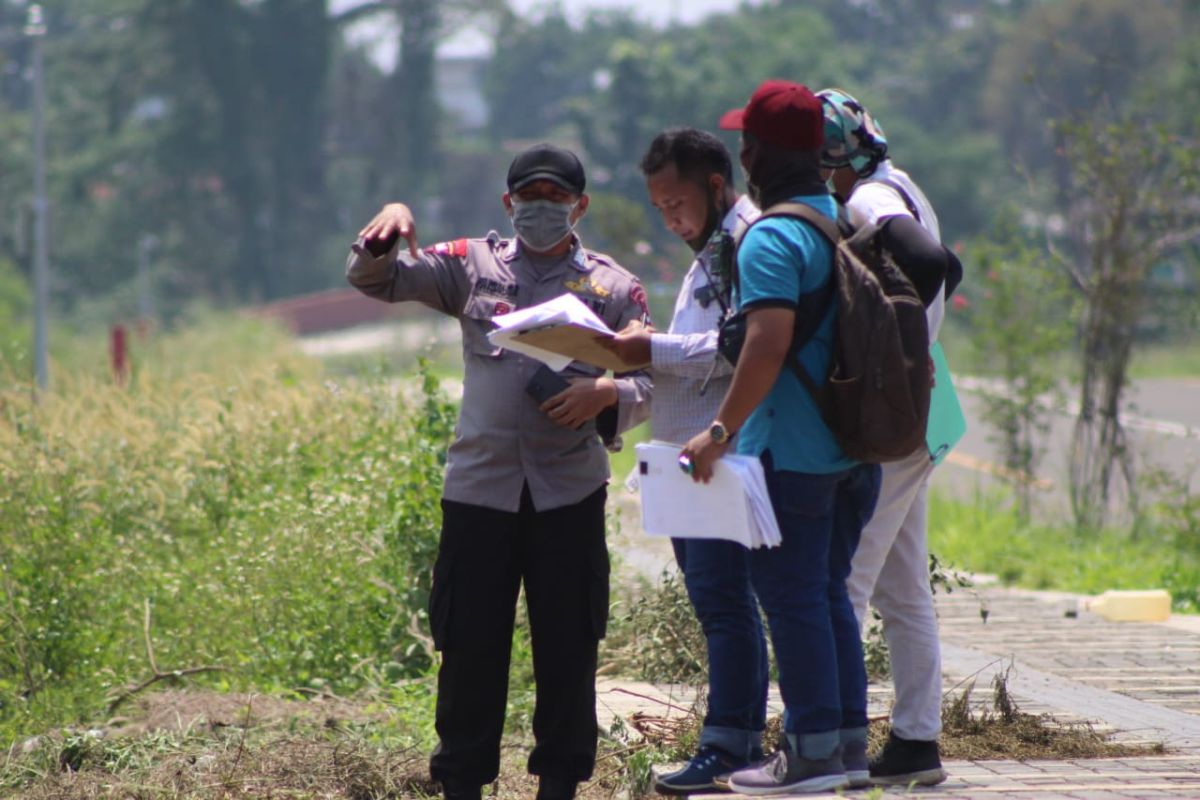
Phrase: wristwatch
(719, 434)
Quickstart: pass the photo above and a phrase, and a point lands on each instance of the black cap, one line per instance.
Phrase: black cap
(545, 162)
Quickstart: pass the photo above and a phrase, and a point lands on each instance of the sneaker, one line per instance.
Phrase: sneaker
(907, 761)
(854, 759)
(709, 769)
(788, 773)
(721, 782)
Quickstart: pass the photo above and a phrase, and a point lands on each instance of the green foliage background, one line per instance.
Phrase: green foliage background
(252, 139)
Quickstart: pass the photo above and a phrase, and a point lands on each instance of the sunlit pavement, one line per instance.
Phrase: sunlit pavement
(1139, 682)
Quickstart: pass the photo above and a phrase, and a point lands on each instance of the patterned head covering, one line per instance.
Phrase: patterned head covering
(852, 136)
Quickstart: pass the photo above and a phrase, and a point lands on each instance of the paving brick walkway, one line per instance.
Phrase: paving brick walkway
(1139, 682)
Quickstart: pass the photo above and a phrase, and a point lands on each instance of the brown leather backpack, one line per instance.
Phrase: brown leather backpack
(875, 399)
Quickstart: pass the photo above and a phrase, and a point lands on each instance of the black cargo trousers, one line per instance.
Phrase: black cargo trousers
(483, 558)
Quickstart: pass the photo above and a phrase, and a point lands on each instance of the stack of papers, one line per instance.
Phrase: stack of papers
(556, 333)
(733, 505)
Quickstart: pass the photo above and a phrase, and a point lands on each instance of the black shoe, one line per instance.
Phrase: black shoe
(552, 788)
(907, 761)
(458, 791)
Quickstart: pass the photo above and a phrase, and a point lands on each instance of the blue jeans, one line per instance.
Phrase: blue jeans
(802, 588)
(716, 573)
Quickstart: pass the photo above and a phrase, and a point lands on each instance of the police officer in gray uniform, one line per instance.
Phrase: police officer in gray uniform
(525, 480)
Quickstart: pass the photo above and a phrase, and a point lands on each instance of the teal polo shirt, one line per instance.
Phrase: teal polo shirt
(780, 259)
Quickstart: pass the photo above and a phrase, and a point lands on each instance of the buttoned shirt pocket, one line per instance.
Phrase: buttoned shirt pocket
(477, 323)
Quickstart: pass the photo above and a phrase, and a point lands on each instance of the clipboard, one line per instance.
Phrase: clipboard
(947, 423)
(577, 342)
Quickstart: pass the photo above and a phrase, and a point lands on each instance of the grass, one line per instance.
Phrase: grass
(270, 523)
(987, 536)
(1180, 360)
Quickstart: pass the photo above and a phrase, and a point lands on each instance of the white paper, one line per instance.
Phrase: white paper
(564, 309)
(733, 505)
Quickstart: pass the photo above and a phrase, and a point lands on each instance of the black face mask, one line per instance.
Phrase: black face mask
(716, 212)
(775, 175)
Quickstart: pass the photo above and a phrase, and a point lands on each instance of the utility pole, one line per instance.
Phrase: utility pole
(35, 29)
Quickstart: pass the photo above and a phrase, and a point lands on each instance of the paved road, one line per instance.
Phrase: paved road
(1162, 416)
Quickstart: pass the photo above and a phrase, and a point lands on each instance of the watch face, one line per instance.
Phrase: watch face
(718, 433)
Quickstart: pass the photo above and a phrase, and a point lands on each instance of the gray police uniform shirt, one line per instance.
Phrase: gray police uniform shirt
(502, 440)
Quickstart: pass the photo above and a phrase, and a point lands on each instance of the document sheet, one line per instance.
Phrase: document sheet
(733, 505)
(556, 333)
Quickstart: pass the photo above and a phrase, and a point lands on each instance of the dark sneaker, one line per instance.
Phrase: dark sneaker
(907, 761)
(854, 759)
(787, 773)
(708, 770)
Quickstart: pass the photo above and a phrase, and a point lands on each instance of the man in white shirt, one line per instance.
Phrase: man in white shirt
(890, 569)
(689, 176)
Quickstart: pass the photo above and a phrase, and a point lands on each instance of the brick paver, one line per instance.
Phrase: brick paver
(1139, 682)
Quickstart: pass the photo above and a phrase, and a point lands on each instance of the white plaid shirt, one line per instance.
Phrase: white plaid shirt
(684, 357)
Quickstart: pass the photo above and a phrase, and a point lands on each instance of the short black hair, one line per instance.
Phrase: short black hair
(696, 154)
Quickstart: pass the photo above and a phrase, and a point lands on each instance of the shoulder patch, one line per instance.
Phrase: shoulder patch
(637, 294)
(602, 260)
(457, 248)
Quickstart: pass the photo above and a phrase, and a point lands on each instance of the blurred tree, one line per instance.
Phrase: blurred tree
(1136, 200)
(1071, 58)
(1021, 318)
(407, 112)
(261, 69)
(1082, 96)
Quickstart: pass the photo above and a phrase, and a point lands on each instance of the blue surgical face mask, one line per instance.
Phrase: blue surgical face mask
(541, 224)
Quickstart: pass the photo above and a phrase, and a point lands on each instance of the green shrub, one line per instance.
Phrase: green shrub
(276, 525)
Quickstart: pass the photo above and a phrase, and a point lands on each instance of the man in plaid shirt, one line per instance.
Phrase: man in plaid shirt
(689, 176)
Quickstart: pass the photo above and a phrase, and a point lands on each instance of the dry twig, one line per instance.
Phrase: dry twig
(158, 675)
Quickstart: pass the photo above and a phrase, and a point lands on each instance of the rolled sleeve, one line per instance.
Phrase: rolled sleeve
(688, 355)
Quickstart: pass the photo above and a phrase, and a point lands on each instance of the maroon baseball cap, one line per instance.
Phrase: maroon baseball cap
(781, 113)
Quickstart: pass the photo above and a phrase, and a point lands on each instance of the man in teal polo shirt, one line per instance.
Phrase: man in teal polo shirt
(821, 498)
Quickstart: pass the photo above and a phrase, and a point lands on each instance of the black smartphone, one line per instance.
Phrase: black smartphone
(545, 383)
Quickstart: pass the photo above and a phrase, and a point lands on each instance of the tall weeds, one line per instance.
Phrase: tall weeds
(279, 526)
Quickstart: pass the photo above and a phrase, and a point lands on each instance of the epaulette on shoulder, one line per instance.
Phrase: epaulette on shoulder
(604, 260)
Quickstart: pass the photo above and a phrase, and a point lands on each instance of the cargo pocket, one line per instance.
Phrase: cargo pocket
(596, 586)
(440, 599)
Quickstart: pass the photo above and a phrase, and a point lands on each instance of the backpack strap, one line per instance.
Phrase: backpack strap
(811, 307)
(898, 189)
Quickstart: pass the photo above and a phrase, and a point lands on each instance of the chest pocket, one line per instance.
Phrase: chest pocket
(477, 322)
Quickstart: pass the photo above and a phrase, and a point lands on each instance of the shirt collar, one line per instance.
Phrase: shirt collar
(743, 211)
(577, 257)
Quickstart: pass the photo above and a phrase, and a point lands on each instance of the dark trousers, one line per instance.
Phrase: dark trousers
(716, 573)
(483, 557)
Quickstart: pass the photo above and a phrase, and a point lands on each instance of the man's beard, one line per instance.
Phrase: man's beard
(711, 221)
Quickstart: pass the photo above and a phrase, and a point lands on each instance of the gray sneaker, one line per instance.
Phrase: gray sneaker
(854, 758)
(787, 773)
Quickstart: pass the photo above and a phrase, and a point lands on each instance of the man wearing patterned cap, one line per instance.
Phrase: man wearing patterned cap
(524, 494)
(891, 566)
(821, 497)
